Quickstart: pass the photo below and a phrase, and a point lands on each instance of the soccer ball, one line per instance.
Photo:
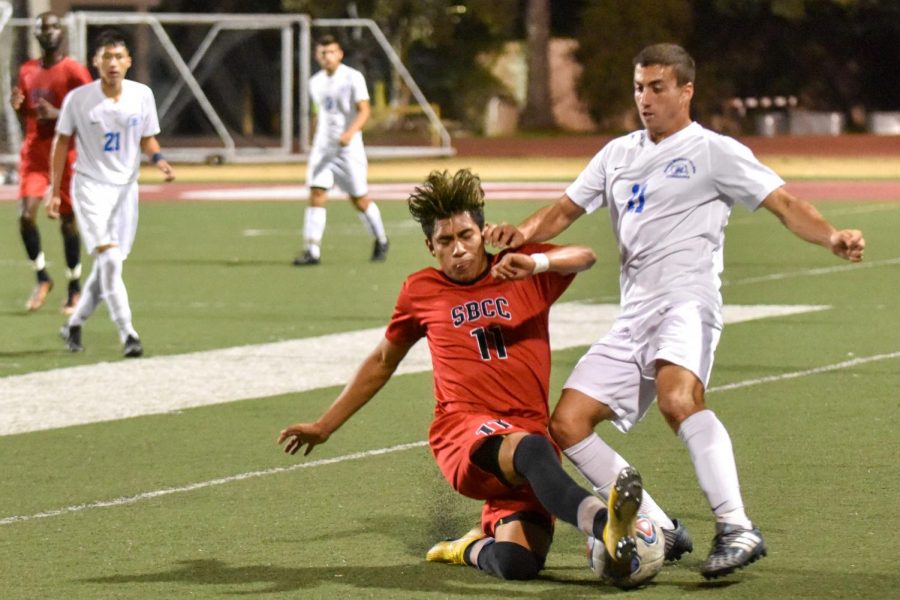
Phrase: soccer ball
(647, 562)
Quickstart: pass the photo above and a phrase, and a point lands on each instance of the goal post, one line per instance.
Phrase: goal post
(234, 87)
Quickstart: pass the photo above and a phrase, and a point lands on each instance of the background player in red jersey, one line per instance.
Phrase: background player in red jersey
(486, 321)
(43, 83)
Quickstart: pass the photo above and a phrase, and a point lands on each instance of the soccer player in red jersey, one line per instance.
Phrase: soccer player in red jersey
(43, 83)
(486, 319)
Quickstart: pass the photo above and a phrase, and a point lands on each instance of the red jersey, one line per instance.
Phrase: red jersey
(489, 339)
(52, 84)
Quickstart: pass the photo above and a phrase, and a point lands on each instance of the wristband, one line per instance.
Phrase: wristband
(541, 263)
(157, 156)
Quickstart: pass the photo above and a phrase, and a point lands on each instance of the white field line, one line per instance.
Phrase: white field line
(815, 371)
(212, 482)
(812, 272)
(380, 451)
(537, 190)
(123, 389)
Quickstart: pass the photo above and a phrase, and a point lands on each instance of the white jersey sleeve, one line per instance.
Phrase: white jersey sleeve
(151, 118)
(589, 189)
(739, 175)
(360, 90)
(65, 122)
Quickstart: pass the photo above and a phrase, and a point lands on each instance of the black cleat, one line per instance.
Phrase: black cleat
(678, 541)
(306, 259)
(132, 348)
(379, 252)
(72, 337)
(733, 548)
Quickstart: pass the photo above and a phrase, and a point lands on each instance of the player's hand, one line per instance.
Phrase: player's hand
(300, 434)
(502, 235)
(345, 138)
(848, 243)
(46, 111)
(52, 203)
(513, 266)
(166, 169)
(16, 98)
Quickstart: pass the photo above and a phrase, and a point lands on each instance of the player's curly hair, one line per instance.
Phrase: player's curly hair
(669, 55)
(443, 195)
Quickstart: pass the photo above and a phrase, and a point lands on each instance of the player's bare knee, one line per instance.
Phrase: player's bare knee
(675, 408)
(28, 210)
(575, 417)
(67, 225)
(27, 223)
(567, 429)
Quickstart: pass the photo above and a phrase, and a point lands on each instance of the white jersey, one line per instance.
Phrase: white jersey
(669, 204)
(336, 97)
(108, 133)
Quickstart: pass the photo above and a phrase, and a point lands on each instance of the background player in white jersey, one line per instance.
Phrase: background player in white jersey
(341, 100)
(669, 189)
(113, 121)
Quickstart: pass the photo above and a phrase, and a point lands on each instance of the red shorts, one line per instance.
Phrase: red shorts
(453, 438)
(34, 180)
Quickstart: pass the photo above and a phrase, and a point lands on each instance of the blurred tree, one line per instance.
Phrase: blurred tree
(440, 42)
(831, 54)
(538, 113)
(611, 34)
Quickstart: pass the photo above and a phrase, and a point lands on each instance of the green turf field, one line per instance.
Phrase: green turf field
(815, 451)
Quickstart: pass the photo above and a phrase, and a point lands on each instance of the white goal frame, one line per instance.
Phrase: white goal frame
(294, 71)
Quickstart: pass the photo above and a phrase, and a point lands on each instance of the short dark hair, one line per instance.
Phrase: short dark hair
(327, 40)
(110, 37)
(442, 196)
(669, 55)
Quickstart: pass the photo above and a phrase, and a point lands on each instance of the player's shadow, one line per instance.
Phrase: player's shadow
(267, 579)
(35, 352)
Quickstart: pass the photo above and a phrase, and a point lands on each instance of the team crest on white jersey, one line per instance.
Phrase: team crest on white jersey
(680, 168)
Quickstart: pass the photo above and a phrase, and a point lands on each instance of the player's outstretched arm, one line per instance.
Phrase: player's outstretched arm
(545, 224)
(562, 259)
(374, 372)
(150, 147)
(58, 154)
(805, 221)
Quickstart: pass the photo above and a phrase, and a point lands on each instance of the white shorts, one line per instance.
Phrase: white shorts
(619, 370)
(345, 166)
(107, 214)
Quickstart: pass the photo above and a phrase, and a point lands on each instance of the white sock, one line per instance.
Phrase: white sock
(710, 448)
(371, 218)
(39, 263)
(314, 228)
(91, 297)
(74, 273)
(600, 465)
(114, 292)
(586, 514)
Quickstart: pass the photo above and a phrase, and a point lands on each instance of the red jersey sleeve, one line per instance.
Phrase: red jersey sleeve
(405, 327)
(78, 75)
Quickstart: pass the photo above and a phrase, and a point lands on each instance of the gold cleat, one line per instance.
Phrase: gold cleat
(618, 533)
(38, 295)
(454, 551)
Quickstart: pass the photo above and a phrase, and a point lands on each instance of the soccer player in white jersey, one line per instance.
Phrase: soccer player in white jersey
(669, 189)
(113, 121)
(341, 101)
